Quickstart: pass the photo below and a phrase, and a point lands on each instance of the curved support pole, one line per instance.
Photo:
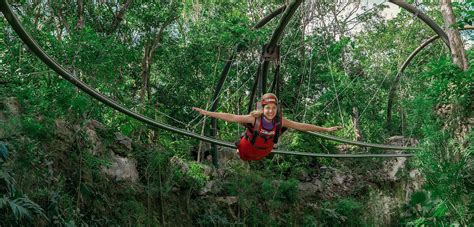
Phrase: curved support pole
(393, 90)
(276, 36)
(254, 89)
(423, 17)
(51, 63)
(265, 67)
(362, 144)
(269, 17)
(287, 15)
(274, 40)
(343, 155)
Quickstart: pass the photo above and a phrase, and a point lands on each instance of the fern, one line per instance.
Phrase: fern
(8, 181)
(3, 202)
(3, 151)
(22, 207)
(30, 206)
(18, 210)
(440, 210)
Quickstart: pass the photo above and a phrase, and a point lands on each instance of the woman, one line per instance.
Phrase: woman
(263, 127)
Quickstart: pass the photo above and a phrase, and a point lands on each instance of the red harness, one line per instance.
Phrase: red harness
(257, 142)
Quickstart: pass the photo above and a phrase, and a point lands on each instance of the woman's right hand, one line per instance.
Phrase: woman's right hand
(201, 111)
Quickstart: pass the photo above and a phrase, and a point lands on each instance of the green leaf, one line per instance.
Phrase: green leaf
(440, 210)
(419, 197)
(3, 151)
(3, 201)
(19, 211)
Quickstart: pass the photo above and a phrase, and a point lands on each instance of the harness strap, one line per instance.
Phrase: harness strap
(279, 124)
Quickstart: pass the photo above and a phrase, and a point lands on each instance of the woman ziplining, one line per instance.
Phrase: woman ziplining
(263, 127)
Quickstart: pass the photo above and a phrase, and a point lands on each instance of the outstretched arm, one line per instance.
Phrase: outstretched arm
(307, 127)
(226, 116)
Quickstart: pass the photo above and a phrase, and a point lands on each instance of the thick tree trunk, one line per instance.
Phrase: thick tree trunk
(454, 37)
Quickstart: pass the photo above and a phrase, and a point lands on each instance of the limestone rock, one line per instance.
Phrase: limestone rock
(93, 124)
(395, 165)
(229, 200)
(63, 130)
(180, 163)
(92, 137)
(11, 106)
(122, 169)
(415, 184)
(211, 187)
(308, 189)
(392, 167)
(123, 140)
(227, 154)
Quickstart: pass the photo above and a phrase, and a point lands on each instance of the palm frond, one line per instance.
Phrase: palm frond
(27, 206)
(19, 211)
(3, 201)
(8, 180)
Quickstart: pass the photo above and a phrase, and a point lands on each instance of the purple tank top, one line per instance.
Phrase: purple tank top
(267, 125)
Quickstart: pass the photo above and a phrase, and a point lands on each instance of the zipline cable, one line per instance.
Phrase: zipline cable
(38, 51)
(51, 63)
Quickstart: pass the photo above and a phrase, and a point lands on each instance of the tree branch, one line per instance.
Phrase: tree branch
(119, 16)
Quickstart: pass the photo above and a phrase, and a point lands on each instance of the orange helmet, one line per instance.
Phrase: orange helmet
(269, 98)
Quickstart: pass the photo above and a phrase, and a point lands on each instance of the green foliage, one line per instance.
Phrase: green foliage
(192, 178)
(424, 209)
(35, 128)
(8, 182)
(343, 212)
(22, 207)
(464, 13)
(447, 84)
(445, 158)
(14, 206)
(3, 151)
(324, 75)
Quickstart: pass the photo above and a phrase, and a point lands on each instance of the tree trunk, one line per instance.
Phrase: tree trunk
(145, 75)
(298, 89)
(119, 16)
(149, 52)
(37, 15)
(355, 123)
(454, 37)
(80, 15)
(56, 21)
(62, 19)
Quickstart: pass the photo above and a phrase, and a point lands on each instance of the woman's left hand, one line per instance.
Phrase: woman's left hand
(201, 111)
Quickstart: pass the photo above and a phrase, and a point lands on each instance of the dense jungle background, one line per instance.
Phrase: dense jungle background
(66, 159)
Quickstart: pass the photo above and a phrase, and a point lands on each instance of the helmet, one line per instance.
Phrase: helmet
(269, 98)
